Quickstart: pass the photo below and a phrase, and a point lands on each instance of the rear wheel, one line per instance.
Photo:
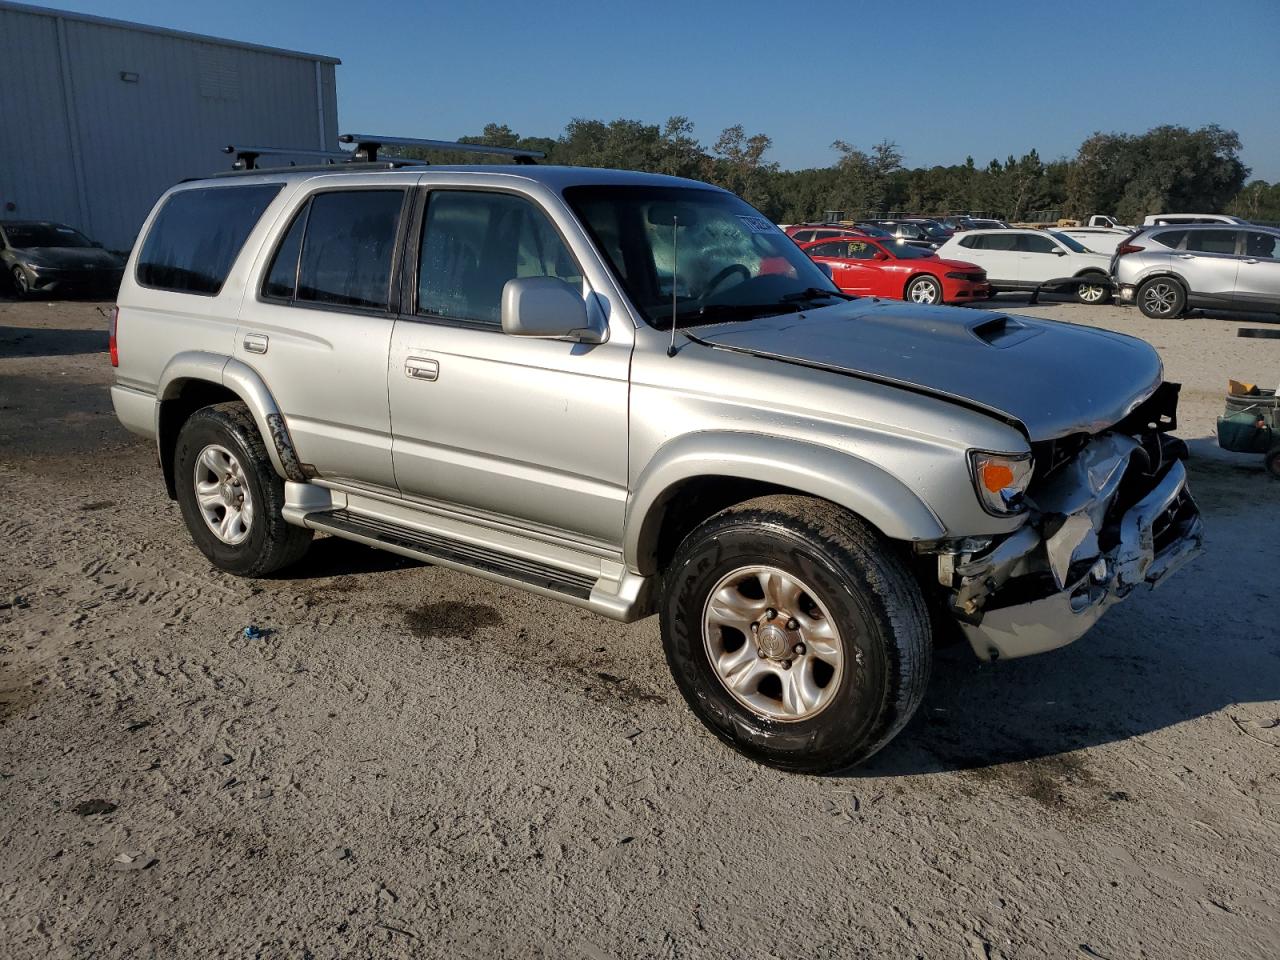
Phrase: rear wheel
(231, 496)
(796, 633)
(1161, 298)
(924, 289)
(1093, 290)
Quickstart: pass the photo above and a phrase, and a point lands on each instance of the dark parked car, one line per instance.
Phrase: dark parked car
(42, 257)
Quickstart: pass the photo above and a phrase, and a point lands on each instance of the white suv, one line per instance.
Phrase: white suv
(1034, 260)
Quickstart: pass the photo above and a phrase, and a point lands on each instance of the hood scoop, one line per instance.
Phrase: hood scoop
(1001, 331)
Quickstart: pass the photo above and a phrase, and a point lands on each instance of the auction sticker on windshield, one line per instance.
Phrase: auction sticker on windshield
(757, 224)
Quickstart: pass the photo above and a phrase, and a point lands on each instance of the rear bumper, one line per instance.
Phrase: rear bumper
(1156, 536)
(135, 410)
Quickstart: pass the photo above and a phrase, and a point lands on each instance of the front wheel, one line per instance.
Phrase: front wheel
(924, 290)
(1092, 291)
(230, 495)
(796, 633)
(1272, 462)
(21, 283)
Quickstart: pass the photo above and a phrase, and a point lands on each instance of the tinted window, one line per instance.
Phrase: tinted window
(197, 235)
(1035, 244)
(1169, 238)
(348, 247)
(971, 242)
(474, 242)
(282, 278)
(1000, 241)
(802, 236)
(1259, 244)
(829, 249)
(1211, 241)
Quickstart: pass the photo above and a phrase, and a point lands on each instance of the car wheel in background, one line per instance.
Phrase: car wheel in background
(1272, 462)
(1161, 298)
(1093, 291)
(796, 633)
(924, 290)
(230, 494)
(21, 284)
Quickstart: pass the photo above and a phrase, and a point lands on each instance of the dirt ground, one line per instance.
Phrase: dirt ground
(414, 763)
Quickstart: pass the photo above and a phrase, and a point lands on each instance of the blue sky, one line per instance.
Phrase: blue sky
(944, 80)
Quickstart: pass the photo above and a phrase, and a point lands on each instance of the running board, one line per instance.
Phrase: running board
(448, 552)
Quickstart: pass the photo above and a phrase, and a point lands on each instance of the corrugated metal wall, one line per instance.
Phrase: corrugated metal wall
(98, 119)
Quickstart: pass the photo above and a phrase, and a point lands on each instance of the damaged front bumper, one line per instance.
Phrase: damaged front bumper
(1047, 584)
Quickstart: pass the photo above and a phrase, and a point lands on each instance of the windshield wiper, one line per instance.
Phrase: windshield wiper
(815, 293)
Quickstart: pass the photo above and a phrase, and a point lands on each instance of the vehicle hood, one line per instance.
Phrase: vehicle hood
(960, 265)
(1051, 378)
(68, 258)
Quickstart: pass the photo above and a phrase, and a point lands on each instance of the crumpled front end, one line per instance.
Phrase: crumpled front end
(1108, 513)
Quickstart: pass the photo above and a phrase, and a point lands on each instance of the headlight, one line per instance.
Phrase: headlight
(1000, 480)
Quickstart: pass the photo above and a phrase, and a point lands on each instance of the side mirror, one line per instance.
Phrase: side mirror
(880, 255)
(1059, 251)
(548, 308)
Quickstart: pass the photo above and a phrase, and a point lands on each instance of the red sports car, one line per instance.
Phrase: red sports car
(863, 266)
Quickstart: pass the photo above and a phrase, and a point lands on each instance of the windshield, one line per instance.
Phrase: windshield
(1071, 243)
(873, 231)
(27, 235)
(705, 251)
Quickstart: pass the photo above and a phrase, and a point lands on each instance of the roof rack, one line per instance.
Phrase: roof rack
(368, 145)
(247, 157)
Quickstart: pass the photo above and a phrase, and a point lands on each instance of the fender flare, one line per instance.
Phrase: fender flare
(244, 382)
(858, 485)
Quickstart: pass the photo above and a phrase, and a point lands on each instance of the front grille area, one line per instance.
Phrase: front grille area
(1172, 523)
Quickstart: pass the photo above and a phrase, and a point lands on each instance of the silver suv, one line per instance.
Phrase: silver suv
(1169, 269)
(635, 394)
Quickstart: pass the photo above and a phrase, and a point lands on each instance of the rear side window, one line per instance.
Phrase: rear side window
(1211, 241)
(1258, 244)
(340, 248)
(802, 236)
(973, 243)
(1169, 238)
(1000, 241)
(197, 236)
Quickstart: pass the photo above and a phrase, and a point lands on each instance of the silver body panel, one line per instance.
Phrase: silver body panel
(1241, 278)
(551, 463)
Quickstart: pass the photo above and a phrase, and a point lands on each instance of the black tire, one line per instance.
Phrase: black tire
(21, 284)
(270, 544)
(1093, 290)
(1272, 462)
(858, 576)
(923, 283)
(1162, 298)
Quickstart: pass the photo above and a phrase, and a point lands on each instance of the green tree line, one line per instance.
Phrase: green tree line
(1168, 169)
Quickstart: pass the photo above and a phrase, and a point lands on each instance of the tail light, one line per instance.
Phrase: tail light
(111, 337)
(1128, 248)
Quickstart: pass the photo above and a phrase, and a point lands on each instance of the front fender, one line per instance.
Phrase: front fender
(855, 484)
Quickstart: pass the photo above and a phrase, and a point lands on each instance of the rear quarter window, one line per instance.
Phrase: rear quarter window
(197, 236)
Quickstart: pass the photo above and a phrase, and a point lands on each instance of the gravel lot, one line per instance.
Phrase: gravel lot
(415, 763)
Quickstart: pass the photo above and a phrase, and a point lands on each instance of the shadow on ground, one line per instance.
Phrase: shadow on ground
(48, 342)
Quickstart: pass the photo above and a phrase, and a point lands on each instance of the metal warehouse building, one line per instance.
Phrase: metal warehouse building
(98, 117)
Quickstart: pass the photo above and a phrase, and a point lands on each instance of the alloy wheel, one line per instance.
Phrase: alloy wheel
(223, 495)
(924, 291)
(1092, 292)
(1159, 298)
(772, 643)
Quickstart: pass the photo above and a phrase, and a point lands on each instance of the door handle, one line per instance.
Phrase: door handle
(1250, 260)
(1186, 256)
(419, 368)
(255, 343)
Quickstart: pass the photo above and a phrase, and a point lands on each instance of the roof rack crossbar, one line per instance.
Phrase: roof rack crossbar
(247, 157)
(368, 145)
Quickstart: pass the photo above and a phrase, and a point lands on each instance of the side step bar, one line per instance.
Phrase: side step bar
(448, 552)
